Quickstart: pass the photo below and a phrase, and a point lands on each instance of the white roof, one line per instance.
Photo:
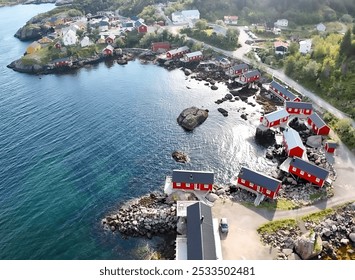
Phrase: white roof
(191, 13)
(277, 115)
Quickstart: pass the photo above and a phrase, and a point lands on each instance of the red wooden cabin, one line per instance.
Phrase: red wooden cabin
(239, 69)
(108, 50)
(256, 182)
(110, 39)
(275, 118)
(193, 180)
(193, 56)
(317, 124)
(177, 53)
(308, 171)
(161, 46)
(299, 108)
(330, 146)
(293, 143)
(282, 92)
(249, 77)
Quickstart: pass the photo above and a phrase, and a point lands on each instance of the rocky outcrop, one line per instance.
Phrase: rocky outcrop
(265, 137)
(192, 117)
(147, 216)
(180, 157)
(308, 246)
(18, 66)
(63, 2)
(223, 112)
(33, 32)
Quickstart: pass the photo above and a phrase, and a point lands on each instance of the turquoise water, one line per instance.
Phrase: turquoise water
(74, 146)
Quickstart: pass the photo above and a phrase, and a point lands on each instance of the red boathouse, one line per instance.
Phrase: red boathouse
(293, 143)
(330, 147)
(193, 180)
(193, 56)
(275, 118)
(299, 108)
(258, 183)
(177, 53)
(308, 171)
(318, 125)
(249, 77)
(282, 93)
(239, 69)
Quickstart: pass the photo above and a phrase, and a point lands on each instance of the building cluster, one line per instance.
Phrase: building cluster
(77, 31)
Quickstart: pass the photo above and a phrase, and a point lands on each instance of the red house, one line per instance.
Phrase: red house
(256, 182)
(108, 50)
(177, 53)
(249, 77)
(293, 143)
(142, 28)
(308, 171)
(330, 147)
(282, 93)
(239, 69)
(161, 46)
(317, 124)
(110, 39)
(58, 45)
(275, 118)
(299, 108)
(193, 180)
(62, 62)
(193, 56)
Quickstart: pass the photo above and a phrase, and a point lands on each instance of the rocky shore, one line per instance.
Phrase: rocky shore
(330, 237)
(147, 216)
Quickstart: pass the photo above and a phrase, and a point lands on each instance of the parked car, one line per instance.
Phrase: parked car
(223, 225)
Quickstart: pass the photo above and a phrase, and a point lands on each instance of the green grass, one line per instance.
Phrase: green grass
(318, 216)
(279, 204)
(274, 226)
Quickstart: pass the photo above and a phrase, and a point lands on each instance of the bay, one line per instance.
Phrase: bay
(75, 146)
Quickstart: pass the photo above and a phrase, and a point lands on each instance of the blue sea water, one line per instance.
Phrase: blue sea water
(74, 146)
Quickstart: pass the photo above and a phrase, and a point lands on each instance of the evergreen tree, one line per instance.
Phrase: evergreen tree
(345, 46)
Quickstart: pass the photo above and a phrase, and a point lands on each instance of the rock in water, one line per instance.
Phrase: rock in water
(192, 117)
(180, 157)
(264, 136)
(223, 112)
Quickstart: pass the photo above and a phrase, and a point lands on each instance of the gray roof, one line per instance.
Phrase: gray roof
(240, 66)
(277, 115)
(299, 105)
(200, 235)
(292, 138)
(178, 50)
(283, 90)
(64, 59)
(259, 179)
(188, 176)
(197, 53)
(252, 73)
(310, 168)
(317, 120)
(332, 144)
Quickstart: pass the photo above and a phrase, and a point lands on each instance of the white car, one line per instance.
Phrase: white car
(223, 225)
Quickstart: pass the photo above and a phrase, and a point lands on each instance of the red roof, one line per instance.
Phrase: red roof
(280, 44)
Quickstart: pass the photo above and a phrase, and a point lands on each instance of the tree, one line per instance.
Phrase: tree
(345, 46)
(201, 24)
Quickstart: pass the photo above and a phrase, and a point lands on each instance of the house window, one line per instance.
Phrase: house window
(317, 180)
(307, 111)
(243, 181)
(178, 184)
(268, 192)
(272, 123)
(309, 175)
(294, 169)
(251, 184)
(302, 172)
(296, 110)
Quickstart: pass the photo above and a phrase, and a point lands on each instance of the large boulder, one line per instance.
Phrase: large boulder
(314, 141)
(192, 117)
(264, 136)
(33, 32)
(308, 246)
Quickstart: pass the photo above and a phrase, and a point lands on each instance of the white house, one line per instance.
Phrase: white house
(305, 46)
(85, 42)
(185, 16)
(281, 23)
(321, 27)
(70, 38)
